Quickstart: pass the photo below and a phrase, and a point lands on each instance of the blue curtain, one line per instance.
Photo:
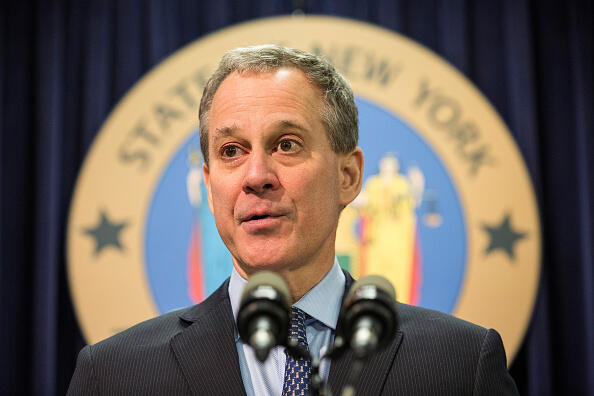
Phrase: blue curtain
(65, 64)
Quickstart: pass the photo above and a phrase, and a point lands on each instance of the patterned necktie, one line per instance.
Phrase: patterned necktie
(297, 371)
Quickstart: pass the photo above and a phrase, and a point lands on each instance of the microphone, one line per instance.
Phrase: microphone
(263, 317)
(368, 315)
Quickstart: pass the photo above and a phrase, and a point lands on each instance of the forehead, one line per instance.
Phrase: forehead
(283, 92)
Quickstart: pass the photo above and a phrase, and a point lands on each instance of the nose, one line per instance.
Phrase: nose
(260, 174)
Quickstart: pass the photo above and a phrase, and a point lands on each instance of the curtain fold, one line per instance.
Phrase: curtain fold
(581, 43)
(48, 219)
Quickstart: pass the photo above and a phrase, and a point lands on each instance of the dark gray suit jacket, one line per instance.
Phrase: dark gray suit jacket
(192, 351)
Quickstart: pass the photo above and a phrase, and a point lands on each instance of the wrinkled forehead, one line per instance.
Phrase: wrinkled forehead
(283, 83)
(267, 71)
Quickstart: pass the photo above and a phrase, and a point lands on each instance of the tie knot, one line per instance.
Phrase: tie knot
(297, 327)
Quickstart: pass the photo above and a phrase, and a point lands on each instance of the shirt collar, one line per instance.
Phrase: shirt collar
(322, 302)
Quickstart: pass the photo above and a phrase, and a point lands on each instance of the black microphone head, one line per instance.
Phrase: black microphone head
(371, 298)
(372, 284)
(262, 281)
(263, 316)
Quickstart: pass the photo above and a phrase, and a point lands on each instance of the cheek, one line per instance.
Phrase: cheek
(222, 204)
(222, 200)
(316, 194)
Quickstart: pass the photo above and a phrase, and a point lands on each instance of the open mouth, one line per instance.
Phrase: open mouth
(259, 217)
(261, 222)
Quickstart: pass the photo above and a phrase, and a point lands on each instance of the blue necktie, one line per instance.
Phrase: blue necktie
(297, 371)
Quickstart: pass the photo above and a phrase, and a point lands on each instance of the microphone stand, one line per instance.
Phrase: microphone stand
(349, 389)
(337, 350)
(318, 386)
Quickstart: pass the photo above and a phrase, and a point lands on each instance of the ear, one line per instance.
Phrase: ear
(351, 175)
(206, 173)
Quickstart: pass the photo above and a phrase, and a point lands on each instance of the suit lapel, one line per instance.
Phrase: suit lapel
(207, 353)
(375, 370)
(206, 349)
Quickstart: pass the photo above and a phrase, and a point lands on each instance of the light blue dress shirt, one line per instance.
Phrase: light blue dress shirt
(322, 303)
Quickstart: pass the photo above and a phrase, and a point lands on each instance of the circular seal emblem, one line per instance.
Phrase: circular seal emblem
(447, 212)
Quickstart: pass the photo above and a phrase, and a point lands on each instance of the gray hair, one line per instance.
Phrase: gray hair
(339, 115)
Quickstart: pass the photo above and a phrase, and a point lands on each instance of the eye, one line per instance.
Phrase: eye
(289, 146)
(230, 151)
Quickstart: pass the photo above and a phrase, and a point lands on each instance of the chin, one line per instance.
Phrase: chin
(263, 261)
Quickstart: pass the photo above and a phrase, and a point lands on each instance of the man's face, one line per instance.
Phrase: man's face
(273, 181)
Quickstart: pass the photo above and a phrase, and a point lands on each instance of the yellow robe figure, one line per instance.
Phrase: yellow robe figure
(390, 228)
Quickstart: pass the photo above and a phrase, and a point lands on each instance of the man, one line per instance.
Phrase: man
(278, 132)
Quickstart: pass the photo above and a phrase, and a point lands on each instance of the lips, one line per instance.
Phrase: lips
(259, 215)
(260, 219)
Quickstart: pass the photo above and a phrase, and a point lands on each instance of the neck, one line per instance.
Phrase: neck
(300, 282)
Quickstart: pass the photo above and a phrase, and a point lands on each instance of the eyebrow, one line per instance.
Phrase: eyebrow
(224, 131)
(292, 125)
